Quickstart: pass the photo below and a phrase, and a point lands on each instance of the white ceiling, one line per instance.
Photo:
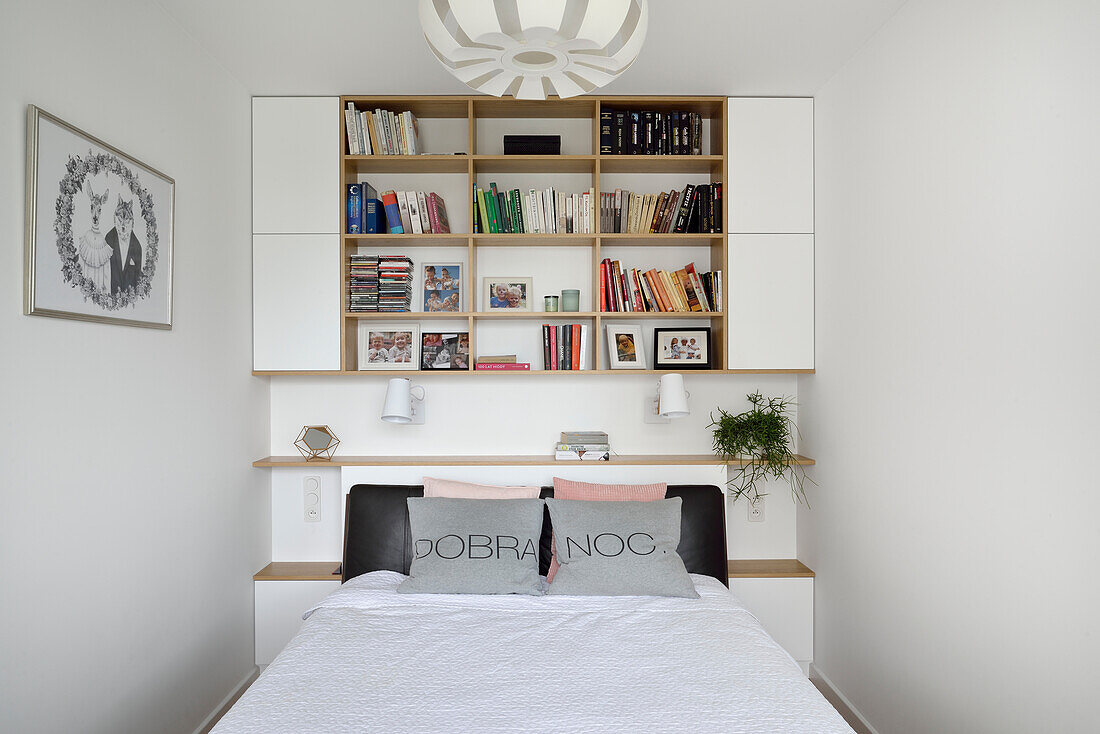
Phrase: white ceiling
(737, 47)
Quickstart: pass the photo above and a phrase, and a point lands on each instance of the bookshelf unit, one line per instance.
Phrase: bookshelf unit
(464, 137)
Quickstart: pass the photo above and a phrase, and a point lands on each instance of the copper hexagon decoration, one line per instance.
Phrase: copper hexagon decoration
(317, 443)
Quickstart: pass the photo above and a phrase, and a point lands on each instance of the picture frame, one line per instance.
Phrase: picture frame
(441, 288)
(445, 350)
(625, 348)
(508, 290)
(389, 346)
(98, 238)
(682, 348)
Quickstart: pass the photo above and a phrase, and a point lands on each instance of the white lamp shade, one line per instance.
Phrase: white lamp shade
(398, 407)
(532, 49)
(671, 397)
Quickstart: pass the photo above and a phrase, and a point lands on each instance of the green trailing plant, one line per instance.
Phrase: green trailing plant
(765, 432)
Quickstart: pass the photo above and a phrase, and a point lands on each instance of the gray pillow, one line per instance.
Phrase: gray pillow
(619, 549)
(465, 546)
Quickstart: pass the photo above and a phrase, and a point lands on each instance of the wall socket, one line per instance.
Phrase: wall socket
(311, 497)
(756, 510)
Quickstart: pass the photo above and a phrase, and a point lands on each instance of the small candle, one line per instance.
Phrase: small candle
(570, 300)
(550, 303)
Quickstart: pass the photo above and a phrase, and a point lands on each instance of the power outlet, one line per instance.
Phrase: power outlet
(650, 414)
(756, 510)
(311, 498)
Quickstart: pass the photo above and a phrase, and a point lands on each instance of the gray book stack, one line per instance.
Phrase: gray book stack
(583, 446)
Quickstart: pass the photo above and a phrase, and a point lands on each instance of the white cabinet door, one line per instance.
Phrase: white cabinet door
(279, 609)
(296, 165)
(771, 165)
(296, 302)
(771, 301)
(785, 608)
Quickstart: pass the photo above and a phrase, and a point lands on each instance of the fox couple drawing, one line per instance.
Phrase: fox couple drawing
(111, 262)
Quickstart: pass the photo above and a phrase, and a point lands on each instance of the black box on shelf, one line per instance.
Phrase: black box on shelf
(532, 145)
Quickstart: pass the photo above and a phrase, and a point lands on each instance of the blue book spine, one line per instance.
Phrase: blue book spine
(374, 217)
(355, 209)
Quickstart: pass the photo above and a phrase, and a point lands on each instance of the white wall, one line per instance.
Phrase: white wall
(129, 528)
(953, 413)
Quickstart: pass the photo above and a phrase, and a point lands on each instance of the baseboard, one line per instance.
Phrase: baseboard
(840, 702)
(225, 704)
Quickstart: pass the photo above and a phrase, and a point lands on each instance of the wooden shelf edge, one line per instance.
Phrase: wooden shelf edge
(769, 568)
(298, 571)
(621, 373)
(275, 462)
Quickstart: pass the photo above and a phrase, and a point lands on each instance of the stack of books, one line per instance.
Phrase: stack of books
(623, 289)
(381, 132)
(698, 208)
(395, 274)
(583, 446)
(536, 211)
(363, 283)
(397, 212)
(501, 362)
(564, 347)
(649, 132)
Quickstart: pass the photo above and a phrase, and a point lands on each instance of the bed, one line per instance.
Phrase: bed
(368, 659)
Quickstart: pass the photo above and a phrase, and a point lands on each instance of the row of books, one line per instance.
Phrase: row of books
(381, 132)
(502, 363)
(698, 208)
(536, 211)
(564, 347)
(379, 283)
(629, 290)
(649, 132)
(583, 446)
(396, 212)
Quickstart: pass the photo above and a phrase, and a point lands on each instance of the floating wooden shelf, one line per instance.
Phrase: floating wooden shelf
(771, 568)
(534, 163)
(299, 571)
(661, 163)
(562, 373)
(527, 460)
(407, 163)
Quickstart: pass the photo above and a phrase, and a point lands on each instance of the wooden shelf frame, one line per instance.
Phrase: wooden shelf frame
(712, 166)
(276, 462)
(299, 571)
(768, 568)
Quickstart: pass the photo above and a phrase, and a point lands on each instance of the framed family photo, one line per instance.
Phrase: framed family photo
(389, 346)
(504, 293)
(445, 351)
(624, 345)
(442, 287)
(98, 241)
(682, 348)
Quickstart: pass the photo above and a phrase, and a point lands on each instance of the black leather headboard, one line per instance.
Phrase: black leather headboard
(377, 536)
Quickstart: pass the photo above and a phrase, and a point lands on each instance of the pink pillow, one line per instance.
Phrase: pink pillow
(567, 489)
(470, 491)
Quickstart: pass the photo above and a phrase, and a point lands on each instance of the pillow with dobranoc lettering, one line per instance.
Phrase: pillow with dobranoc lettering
(464, 546)
(619, 549)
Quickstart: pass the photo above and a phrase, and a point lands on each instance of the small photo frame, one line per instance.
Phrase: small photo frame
(507, 293)
(624, 344)
(441, 287)
(685, 348)
(389, 346)
(445, 350)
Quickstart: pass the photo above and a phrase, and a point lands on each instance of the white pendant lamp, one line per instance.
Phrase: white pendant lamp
(671, 396)
(532, 49)
(399, 406)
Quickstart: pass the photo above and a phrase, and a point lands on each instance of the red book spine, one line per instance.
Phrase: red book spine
(510, 366)
(433, 214)
(603, 287)
(576, 344)
(553, 347)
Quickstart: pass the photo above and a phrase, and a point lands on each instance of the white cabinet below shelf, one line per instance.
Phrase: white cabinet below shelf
(771, 301)
(785, 608)
(279, 609)
(296, 302)
(295, 165)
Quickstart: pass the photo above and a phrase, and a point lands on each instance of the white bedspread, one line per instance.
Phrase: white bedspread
(369, 659)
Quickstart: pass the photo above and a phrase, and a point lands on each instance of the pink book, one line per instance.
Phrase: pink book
(501, 366)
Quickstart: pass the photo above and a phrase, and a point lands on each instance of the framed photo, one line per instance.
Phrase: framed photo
(98, 240)
(389, 346)
(682, 348)
(504, 293)
(442, 287)
(445, 350)
(624, 344)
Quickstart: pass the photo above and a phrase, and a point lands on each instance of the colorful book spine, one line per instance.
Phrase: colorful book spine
(393, 212)
(503, 366)
(374, 217)
(355, 209)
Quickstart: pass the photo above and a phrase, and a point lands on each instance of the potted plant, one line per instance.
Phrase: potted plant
(761, 439)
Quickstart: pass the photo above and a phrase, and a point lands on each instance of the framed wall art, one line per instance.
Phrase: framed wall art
(98, 240)
(625, 348)
(686, 348)
(393, 346)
